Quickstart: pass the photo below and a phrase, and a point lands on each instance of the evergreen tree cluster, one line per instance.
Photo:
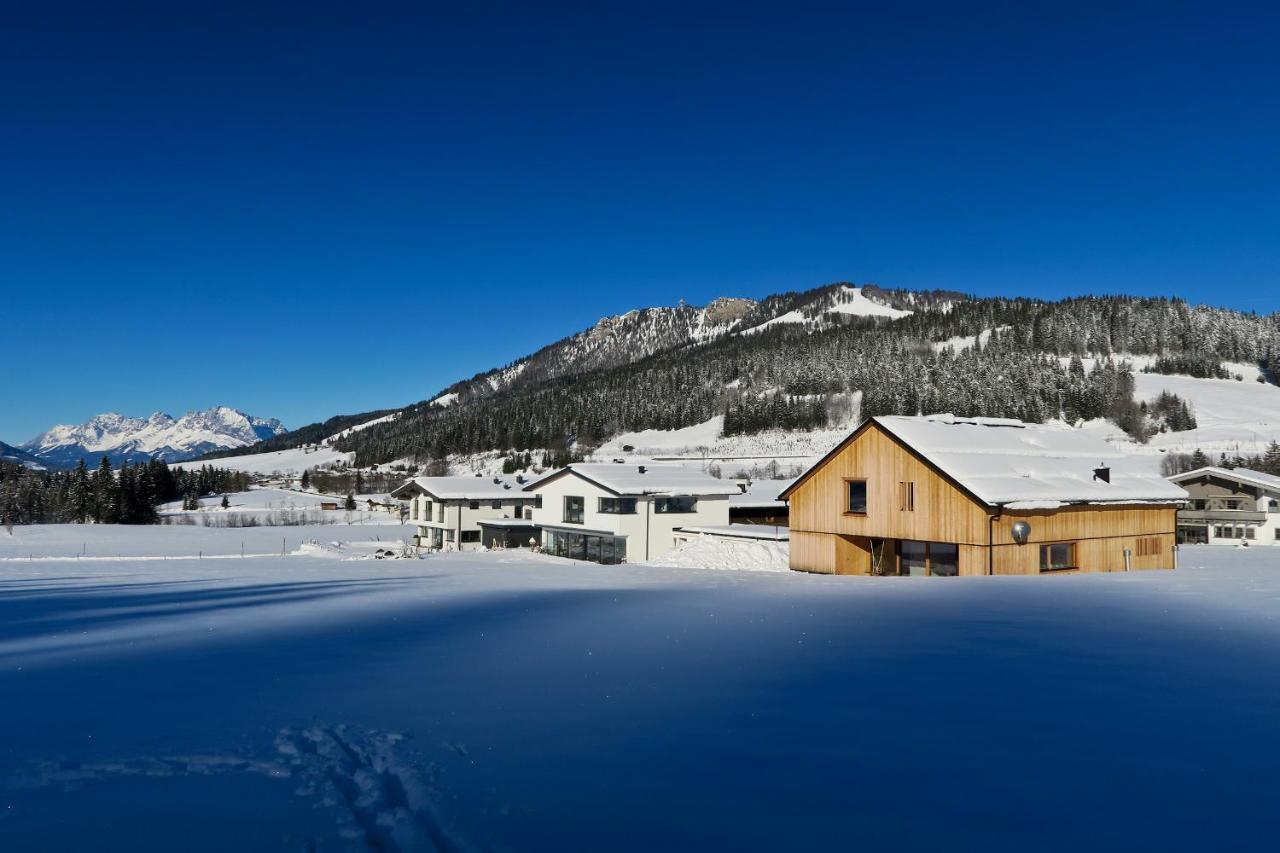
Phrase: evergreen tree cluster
(129, 495)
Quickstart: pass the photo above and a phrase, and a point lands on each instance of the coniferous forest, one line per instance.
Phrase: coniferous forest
(129, 495)
(1027, 362)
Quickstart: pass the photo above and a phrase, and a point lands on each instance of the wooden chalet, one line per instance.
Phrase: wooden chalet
(942, 495)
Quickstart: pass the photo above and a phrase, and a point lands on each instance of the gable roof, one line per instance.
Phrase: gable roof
(1241, 475)
(1002, 462)
(626, 479)
(462, 488)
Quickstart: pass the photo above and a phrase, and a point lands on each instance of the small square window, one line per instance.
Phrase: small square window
(1057, 556)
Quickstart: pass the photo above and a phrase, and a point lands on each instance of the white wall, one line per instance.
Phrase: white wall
(458, 515)
(644, 528)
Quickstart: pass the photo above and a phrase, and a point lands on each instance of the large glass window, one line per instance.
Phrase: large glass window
(939, 559)
(471, 536)
(1059, 555)
(673, 505)
(856, 496)
(944, 559)
(573, 505)
(440, 512)
(618, 506)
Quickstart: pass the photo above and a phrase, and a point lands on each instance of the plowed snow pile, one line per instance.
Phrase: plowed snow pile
(707, 552)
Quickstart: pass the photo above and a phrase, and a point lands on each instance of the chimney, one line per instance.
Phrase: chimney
(1103, 474)
(497, 480)
(641, 469)
(519, 478)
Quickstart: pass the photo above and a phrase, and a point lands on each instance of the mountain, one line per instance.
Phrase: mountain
(159, 436)
(638, 334)
(823, 358)
(9, 453)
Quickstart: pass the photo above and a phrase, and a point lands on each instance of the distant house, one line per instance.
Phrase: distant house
(329, 505)
(1231, 505)
(448, 511)
(757, 502)
(614, 513)
(943, 495)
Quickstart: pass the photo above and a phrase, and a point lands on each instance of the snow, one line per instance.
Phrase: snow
(159, 435)
(1231, 416)
(485, 701)
(289, 462)
(464, 488)
(650, 479)
(716, 553)
(852, 301)
(1002, 461)
(960, 343)
(776, 533)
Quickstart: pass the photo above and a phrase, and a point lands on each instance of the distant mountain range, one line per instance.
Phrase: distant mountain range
(9, 453)
(159, 436)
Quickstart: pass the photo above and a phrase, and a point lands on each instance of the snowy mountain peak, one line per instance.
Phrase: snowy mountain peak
(159, 436)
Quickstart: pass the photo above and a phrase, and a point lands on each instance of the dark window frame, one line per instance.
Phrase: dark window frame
(664, 505)
(848, 496)
(620, 506)
(1046, 557)
(581, 509)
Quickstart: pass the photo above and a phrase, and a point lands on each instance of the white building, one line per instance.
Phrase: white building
(1230, 505)
(611, 513)
(448, 511)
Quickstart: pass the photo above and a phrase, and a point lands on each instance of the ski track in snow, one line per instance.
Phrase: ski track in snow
(379, 797)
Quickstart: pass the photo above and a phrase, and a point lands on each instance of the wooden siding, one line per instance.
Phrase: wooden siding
(1092, 555)
(1086, 522)
(825, 538)
(943, 513)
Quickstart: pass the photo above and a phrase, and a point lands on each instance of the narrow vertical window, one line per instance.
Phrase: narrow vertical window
(856, 497)
(907, 496)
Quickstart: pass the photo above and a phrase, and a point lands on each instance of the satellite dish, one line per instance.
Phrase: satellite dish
(1021, 532)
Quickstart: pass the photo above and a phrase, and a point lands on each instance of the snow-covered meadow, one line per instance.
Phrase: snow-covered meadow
(325, 700)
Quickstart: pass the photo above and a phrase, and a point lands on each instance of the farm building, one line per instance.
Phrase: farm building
(941, 495)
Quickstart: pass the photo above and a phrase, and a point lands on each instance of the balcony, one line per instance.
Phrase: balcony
(1221, 516)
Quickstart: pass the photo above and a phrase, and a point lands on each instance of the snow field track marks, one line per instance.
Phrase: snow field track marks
(382, 800)
(387, 803)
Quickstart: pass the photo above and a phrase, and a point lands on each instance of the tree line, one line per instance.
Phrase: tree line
(128, 495)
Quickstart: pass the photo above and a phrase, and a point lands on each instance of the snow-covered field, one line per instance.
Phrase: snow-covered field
(516, 701)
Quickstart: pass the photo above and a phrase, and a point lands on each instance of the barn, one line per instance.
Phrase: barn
(941, 495)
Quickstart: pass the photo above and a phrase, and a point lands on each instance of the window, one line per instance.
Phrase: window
(1198, 504)
(856, 496)
(675, 505)
(537, 501)
(1148, 547)
(573, 506)
(471, 536)
(473, 504)
(1274, 505)
(618, 506)
(906, 496)
(1059, 555)
(496, 505)
(448, 535)
(1250, 532)
(440, 512)
(939, 559)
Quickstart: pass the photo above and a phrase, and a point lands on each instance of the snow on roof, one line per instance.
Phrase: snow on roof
(462, 488)
(759, 494)
(1243, 475)
(1003, 461)
(741, 531)
(647, 479)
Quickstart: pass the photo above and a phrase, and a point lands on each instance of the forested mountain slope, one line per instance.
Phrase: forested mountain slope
(804, 372)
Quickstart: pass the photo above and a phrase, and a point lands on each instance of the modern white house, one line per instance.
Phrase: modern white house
(449, 511)
(619, 512)
(1230, 505)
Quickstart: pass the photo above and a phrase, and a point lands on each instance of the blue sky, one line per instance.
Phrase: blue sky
(312, 209)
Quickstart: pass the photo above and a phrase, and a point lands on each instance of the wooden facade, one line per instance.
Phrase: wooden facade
(910, 503)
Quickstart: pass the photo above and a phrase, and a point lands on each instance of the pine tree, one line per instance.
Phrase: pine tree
(350, 502)
(305, 482)
(226, 504)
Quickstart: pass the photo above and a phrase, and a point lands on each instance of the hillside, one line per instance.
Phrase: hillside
(809, 363)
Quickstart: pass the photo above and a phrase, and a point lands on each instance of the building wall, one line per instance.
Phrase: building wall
(942, 512)
(641, 528)
(458, 516)
(1209, 487)
(826, 539)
